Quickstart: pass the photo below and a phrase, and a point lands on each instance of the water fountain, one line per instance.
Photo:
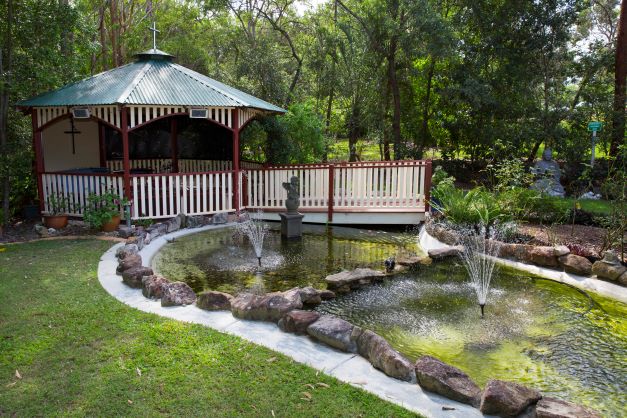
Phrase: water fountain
(480, 248)
(255, 229)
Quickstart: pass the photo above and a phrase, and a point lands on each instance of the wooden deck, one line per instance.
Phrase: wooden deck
(395, 192)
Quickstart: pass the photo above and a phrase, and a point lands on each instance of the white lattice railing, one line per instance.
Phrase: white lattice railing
(167, 195)
(76, 188)
(164, 165)
(390, 185)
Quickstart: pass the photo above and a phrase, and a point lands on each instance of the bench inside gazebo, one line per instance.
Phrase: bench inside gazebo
(167, 138)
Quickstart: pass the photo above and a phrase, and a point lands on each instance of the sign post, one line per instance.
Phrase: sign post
(594, 126)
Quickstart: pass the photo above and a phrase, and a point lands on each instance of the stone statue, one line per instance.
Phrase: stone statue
(548, 173)
(293, 202)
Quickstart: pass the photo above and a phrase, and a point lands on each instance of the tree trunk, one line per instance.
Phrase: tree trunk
(396, 102)
(425, 135)
(103, 38)
(353, 131)
(6, 58)
(620, 75)
(113, 32)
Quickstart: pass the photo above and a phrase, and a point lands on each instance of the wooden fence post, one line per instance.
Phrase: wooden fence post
(427, 185)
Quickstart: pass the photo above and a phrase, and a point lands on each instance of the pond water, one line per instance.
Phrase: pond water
(536, 332)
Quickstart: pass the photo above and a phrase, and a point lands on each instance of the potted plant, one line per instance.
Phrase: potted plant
(57, 213)
(103, 211)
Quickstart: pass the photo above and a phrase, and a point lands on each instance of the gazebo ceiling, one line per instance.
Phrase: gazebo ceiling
(153, 79)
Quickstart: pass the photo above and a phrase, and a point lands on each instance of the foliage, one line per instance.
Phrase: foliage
(475, 207)
(90, 355)
(296, 137)
(101, 208)
(441, 178)
(58, 204)
(510, 174)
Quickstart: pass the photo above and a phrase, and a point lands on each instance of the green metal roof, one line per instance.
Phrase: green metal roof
(153, 79)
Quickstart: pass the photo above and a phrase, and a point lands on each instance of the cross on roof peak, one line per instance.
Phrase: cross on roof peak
(154, 31)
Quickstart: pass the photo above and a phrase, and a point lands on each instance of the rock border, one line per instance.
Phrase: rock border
(284, 308)
(604, 288)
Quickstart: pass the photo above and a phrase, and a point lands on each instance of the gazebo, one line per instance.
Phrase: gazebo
(167, 138)
(120, 129)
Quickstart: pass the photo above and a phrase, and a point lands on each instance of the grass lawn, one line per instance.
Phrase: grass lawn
(600, 207)
(80, 352)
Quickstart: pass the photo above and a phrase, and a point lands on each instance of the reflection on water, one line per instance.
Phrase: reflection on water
(536, 332)
(224, 260)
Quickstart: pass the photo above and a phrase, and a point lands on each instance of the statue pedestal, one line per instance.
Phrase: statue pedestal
(291, 225)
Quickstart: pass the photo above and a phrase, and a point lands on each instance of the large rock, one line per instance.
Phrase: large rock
(576, 264)
(42, 231)
(214, 301)
(126, 250)
(442, 234)
(152, 286)
(176, 294)
(441, 378)
(540, 256)
(335, 332)
(623, 279)
(346, 280)
(310, 296)
(297, 321)
(441, 253)
(268, 307)
(196, 221)
(557, 408)
(129, 262)
(507, 399)
(412, 260)
(220, 218)
(610, 267)
(133, 276)
(383, 357)
(327, 294)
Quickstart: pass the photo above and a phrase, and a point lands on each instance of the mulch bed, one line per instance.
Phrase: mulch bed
(22, 231)
(581, 239)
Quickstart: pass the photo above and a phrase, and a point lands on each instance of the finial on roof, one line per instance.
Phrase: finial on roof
(154, 31)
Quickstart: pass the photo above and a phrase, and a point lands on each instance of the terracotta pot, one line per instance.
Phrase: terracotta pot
(55, 221)
(112, 225)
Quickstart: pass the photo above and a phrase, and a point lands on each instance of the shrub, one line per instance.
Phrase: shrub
(102, 208)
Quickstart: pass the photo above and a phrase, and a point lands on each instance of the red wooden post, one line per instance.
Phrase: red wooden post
(39, 159)
(427, 185)
(235, 121)
(102, 145)
(174, 145)
(330, 203)
(126, 156)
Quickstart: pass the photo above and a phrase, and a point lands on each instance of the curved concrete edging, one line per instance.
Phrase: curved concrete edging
(346, 367)
(589, 284)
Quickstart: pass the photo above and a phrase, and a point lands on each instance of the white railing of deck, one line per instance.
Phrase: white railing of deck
(76, 188)
(389, 185)
(156, 165)
(167, 195)
(164, 165)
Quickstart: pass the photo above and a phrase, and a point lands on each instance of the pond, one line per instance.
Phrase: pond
(536, 332)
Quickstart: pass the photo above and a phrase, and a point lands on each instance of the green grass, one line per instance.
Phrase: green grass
(599, 207)
(366, 150)
(82, 353)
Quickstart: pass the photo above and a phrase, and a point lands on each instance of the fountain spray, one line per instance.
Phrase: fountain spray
(479, 252)
(255, 229)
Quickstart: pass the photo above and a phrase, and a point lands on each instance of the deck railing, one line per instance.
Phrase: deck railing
(164, 165)
(382, 186)
(398, 186)
(166, 195)
(76, 188)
